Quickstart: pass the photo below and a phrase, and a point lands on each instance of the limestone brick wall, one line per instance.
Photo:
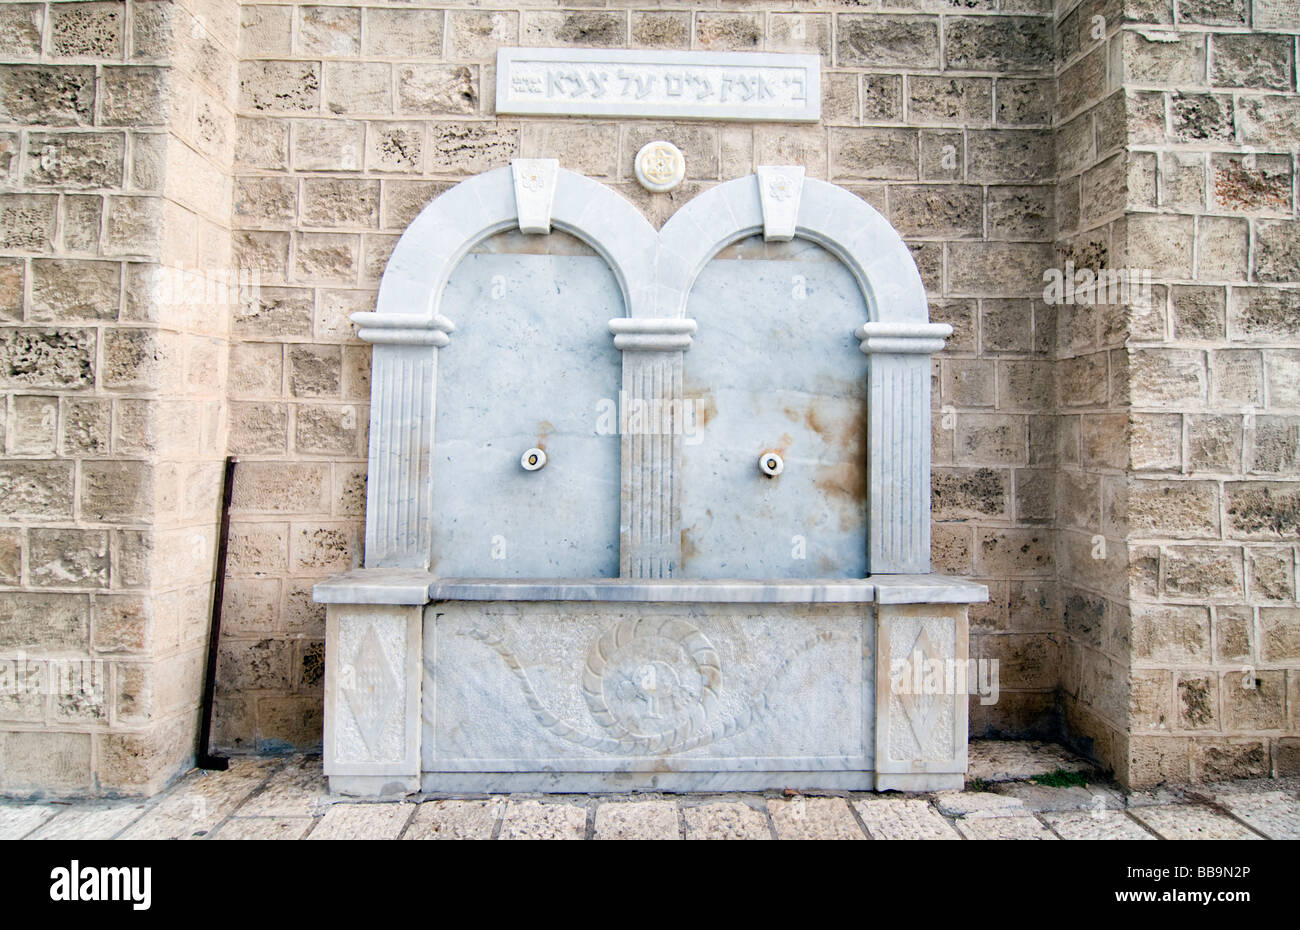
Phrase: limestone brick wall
(1090, 443)
(187, 417)
(1211, 507)
(114, 387)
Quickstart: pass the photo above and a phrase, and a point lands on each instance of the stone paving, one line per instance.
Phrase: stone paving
(1016, 791)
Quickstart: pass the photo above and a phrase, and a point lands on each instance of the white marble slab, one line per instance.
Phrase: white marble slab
(528, 367)
(543, 688)
(395, 586)
(775, 366)
(402, 587)
(372, 698)
(928, 589)
(456, 783)
(921, 696)
(856, 591)
(750, 86)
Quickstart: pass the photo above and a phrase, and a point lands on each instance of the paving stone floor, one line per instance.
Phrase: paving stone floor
(285, 797)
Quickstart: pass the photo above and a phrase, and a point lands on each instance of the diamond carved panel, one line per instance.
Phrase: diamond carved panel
(370, 688)
(371, 676)
(922, 693)
(921, 652)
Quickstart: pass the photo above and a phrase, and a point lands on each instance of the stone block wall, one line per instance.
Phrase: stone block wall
(1122, 476)
(114, 385)
(1211, 503)
(1091, 403)
(193, 289)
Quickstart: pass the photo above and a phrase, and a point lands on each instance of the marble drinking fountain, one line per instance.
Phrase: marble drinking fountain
(647, 510)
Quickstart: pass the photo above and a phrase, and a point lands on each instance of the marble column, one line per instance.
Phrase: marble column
(399, 492)
(898, 444)
(372, 667)
(651, 423)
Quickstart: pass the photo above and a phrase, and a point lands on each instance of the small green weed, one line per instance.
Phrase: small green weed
(1061, 779)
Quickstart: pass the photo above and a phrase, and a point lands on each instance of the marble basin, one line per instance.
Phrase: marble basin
(597, 684)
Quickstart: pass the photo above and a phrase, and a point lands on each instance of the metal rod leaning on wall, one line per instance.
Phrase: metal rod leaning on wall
(206, 760)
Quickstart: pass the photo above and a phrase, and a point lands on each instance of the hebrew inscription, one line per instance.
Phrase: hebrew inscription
(704, 85)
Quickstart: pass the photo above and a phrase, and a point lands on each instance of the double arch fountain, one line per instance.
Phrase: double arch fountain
(735, 592)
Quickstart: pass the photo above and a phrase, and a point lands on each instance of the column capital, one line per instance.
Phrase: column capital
(404, 329)
(652, 334)
(902, 338)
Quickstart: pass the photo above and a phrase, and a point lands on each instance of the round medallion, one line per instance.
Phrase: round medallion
(660, 166)
(652, 679)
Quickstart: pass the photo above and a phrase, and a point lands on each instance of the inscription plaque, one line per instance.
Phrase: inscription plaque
(682, 85)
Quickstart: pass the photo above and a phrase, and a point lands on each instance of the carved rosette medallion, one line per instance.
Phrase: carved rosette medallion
(652, 680)
(660, 166)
